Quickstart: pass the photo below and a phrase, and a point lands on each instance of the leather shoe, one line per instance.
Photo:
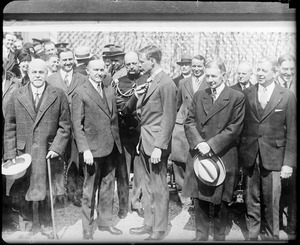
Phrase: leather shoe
(87, 235)
(156, 235)
(111, 229)
(122, 213)
(141, 230)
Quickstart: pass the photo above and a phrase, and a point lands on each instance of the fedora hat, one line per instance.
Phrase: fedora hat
(210, 169)
(115, 51)
(82, 52)
(16, 168)
(186, 58)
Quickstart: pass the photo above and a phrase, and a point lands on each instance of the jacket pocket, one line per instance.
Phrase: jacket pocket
(280, 143)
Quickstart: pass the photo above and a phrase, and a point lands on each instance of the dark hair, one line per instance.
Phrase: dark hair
(152, 51)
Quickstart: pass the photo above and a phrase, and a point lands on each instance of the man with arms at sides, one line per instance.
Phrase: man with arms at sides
(185, 68)
(244, 73)
(95, 123)
(68, 81)
(267, 150)
(180, 147)
(287, 79)
(213, 123)
(157, 112)
(50, 48)
(37, 122)
(52, 62)
(129, 133)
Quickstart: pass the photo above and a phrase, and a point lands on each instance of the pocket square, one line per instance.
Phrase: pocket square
(277, 110)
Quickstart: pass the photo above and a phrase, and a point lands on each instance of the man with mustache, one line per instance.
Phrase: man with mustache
(68, 81)
(129, 134)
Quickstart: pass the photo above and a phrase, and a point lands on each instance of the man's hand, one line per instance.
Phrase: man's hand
(88, 157)
(203, 148)
(140, 90)
(286, 172)
(156, 156)
(51, 154)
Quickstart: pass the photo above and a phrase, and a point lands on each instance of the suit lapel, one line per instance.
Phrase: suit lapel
(252, 95)
(207, 102)
(189, 87)
(108, 94)
(153, 86)
(25, 99)
(220, 103)
(73, 83)
(94, 95)
(275, 98)
(49, 96)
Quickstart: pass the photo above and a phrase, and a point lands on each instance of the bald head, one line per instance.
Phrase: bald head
(37, 72)
(244, 72)
(132, 63)
(95, 70)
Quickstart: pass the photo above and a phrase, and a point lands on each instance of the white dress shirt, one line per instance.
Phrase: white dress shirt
(36, 91)
(196, 82)
(218, 91)
(63, 75)
(264, 93)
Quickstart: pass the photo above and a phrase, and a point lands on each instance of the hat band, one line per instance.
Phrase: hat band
(82, 56)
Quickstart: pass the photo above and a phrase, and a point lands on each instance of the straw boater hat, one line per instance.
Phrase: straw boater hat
(16, 168)
(186, 58)
(210, 170)
(83, 52)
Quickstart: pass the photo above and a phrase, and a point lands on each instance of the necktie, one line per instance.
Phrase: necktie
(263, 98)
(285, 85)
(37, 99)
(99, 89)
(66, 80)
(214, 94)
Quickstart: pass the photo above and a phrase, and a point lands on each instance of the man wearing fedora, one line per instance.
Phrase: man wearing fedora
(214, 121)
(116, 55)
(68, 80)
(156, 109)
(106, 58)
(186, 90)
(37, 122)
(82, 56)
(268, 149)
(185, 68)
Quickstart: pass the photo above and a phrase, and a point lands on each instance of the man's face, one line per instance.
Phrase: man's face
(95, 70)
(37, 47)
(37, 73)
(185, 69)
(197, 67)
(243, 74)
(132, 64)
(264, 73)
(214, 77)
(117, 62)
(287, 70)
(66, 61)
(50, 49)
(24, 65)
(53, 64)
(9, 41)
(18, 44)
(146, 65)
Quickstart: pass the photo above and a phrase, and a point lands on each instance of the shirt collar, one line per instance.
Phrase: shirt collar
(37, 90)
(151, 78)
(220, 88)
(63, 74)
(94, 83)
(185, 76)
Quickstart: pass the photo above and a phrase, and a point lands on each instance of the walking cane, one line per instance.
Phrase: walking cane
(51, 198)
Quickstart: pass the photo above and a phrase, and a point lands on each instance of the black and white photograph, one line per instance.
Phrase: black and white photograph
(133, 121)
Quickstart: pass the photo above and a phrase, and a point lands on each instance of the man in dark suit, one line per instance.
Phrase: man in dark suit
(68, 80)
(213, 123)
(39, 48)
(157, 112)
(129, 133)
(95, 123)
(185, 68)
(50, 48)
(268, 149)
(180, 147)
(287, 79)
(82, 56)
(38, 123)
(244, 73)
(8, 54)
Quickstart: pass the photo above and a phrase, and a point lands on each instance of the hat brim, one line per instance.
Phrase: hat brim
(18, 169)
(113, 55)
(83, 58)
(185, 62)
(217, 160)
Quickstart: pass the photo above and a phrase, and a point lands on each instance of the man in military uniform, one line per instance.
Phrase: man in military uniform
(129, 134)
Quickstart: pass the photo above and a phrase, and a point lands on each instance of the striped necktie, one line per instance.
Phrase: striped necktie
(37, 99)
(66, 80)
(99, 89)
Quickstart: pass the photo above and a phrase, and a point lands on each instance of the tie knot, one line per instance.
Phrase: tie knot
(214, 91)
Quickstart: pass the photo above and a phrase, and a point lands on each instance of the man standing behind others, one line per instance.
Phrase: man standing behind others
(157, 112)
(185, 68)
(95, 123)
(244, 73)
(268, 149)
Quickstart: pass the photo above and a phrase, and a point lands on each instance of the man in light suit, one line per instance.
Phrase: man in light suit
(180, 147)
(157, 112)
(68, 80)
(213, 123)
(95, 123)
(268, 149)
(38, 123)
